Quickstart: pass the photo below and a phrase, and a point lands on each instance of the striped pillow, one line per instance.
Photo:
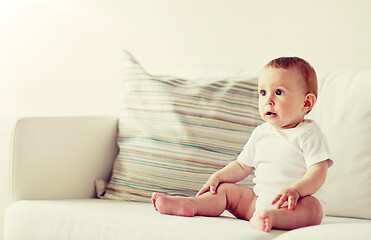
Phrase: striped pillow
(174, 133)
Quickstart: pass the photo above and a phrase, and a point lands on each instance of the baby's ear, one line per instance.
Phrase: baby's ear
(310, 100)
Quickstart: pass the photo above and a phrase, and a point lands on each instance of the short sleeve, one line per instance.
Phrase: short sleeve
(315, 148)
(246, 156)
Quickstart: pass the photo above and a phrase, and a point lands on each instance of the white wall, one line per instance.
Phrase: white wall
(63, 56)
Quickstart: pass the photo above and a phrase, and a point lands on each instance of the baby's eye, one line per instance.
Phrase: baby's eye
(262, 92)
(279, 92)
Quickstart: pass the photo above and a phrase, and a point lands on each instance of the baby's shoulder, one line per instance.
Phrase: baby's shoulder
(310, 135)
(309, 128)
(264, 127)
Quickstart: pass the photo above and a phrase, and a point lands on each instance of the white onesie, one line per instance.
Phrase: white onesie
(282, 157)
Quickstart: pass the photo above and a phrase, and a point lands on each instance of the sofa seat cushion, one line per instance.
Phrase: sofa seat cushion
(336, 230)
(109, 219)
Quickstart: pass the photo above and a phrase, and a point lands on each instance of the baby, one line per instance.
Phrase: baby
(288, 153)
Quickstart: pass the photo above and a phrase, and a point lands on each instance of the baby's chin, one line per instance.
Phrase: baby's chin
(276, 122)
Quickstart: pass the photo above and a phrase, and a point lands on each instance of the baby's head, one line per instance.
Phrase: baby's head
(287, 91)
(306, 71)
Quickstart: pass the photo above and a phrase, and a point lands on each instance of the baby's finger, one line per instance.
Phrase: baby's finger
(275, 200)
(214, 184)
(213, 188)
(291, 203)
(282, 200)
(202, 190)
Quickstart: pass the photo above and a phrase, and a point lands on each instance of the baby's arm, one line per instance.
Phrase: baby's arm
(307, 185)
(232, 173)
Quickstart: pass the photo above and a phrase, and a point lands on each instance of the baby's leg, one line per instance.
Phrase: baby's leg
(307, 212)
(228, 197)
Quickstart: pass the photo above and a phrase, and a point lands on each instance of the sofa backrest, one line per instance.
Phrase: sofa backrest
(343, 111)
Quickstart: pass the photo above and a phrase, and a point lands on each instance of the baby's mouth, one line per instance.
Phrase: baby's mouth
(270, 114)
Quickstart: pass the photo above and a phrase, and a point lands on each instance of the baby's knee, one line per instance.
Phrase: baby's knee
(231, 189)
(314, 208)
(226, 187)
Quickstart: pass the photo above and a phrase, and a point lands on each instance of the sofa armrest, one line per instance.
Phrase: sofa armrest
(59, 157)
(6, 126)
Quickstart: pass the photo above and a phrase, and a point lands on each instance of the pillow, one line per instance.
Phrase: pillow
(174, 132)
(343, 111)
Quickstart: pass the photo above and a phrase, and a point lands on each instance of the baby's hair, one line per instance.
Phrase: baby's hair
(307, 71)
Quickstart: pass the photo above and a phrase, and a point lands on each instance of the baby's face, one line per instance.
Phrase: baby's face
(281, 97)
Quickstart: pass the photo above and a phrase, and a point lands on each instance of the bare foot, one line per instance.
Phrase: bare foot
(262, 221)
(179, 206)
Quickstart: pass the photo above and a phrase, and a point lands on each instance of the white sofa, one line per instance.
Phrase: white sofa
(51, 187)
(49, 166)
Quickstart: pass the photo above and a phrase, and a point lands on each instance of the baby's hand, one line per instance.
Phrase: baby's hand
(290, 195)
(211, 184)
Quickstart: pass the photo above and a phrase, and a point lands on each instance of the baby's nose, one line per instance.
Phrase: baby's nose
(270, 101)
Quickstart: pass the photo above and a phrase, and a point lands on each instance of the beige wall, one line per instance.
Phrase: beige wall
(63, 56)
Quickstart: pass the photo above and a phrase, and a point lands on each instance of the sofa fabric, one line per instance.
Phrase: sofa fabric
(86, 219)
(175, 132)
(117, 220)
(343, 111)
